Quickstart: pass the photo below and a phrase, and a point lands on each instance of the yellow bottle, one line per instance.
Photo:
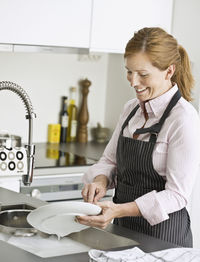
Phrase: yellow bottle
(72, 111)
(53, 133)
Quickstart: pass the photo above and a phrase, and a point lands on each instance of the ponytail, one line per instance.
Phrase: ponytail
(183, 75)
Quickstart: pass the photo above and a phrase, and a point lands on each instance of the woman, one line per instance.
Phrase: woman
(153, 155)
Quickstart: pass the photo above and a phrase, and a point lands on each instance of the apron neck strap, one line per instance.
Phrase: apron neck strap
(155, 129)
(129, 117)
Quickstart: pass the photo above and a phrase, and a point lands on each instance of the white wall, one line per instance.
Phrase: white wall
(185, 24)
(47, 77)
(118, 90)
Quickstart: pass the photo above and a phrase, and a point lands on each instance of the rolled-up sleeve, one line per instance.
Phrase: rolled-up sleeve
(182, 166)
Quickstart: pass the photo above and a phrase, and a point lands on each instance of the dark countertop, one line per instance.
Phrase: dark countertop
(91, 149)
(70, 156)
(9, 253)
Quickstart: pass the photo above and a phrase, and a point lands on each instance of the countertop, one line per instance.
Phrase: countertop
(90, 149)
(68, 158)
(71, 157)
(9, 253)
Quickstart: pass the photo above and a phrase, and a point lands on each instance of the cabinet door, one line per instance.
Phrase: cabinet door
(46, 22)
(115, 21)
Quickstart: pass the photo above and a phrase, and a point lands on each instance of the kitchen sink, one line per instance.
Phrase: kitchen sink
(13, 220)
(45, 245)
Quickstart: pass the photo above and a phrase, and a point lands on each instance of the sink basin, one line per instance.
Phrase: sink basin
(13, 220)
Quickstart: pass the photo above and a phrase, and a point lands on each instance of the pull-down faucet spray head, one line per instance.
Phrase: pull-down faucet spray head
(6, 85)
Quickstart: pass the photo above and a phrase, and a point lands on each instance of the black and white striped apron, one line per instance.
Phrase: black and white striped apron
(136, 176)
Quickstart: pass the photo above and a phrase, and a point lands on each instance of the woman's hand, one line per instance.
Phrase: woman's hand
(109, 211)
(95, 191)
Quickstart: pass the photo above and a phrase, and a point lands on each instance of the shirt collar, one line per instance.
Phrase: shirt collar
(158, 105)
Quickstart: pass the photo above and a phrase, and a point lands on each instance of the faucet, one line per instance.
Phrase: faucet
(30, 147)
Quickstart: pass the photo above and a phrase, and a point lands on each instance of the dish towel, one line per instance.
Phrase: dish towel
(136, 254)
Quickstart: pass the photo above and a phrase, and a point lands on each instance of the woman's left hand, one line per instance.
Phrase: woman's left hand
(109, 211)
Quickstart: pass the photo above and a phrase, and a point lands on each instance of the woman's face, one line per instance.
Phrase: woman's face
(147, 80)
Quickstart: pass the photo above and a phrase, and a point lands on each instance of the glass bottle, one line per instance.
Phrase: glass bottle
(72, 110)
(64, 120)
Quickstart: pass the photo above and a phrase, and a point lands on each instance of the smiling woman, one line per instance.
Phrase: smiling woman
(153, 156)
(149, 81)
(164, 53)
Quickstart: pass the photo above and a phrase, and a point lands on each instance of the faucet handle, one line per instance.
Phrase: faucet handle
(27, 179)
(31, 116)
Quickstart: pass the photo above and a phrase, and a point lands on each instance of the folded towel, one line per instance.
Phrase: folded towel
(137, 255)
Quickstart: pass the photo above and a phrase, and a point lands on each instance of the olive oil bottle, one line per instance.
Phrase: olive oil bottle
(72, 111)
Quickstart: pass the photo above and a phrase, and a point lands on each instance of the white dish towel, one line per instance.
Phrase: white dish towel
(137, 255)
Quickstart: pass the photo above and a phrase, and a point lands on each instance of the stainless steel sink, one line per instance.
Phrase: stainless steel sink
(13, 220)
(90, 238)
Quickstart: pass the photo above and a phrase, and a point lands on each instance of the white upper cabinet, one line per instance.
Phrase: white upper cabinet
(115, 21)
(46, 22)
(98, 25)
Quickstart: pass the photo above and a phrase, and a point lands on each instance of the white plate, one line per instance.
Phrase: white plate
(59, 218)
(62, 225)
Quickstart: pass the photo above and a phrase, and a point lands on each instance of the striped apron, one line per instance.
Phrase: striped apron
(136, 176)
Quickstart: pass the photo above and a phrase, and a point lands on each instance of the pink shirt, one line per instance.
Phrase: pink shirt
(176, 155)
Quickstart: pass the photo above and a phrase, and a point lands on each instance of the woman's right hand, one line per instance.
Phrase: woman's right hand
(93, 192)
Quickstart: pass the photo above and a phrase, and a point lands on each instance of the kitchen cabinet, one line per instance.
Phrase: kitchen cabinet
(114, 22)
(46, 22)
(97, 25)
